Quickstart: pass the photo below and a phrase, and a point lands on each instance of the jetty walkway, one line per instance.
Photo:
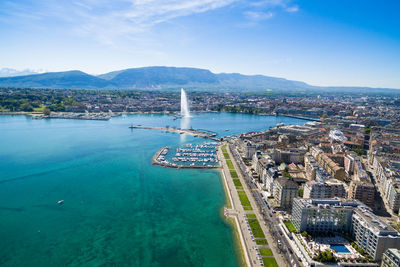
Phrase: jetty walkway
(193, 132)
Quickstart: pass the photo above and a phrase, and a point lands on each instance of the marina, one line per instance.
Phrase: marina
(191, 156)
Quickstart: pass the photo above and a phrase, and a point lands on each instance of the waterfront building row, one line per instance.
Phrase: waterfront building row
(346, 217)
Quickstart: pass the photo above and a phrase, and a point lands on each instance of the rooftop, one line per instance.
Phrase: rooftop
(328, 203)
(365, 215)
(285, 182)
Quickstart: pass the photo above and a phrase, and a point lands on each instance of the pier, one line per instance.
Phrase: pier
(193, 132)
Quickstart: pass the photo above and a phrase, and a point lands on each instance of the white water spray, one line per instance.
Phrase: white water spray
(184, 104)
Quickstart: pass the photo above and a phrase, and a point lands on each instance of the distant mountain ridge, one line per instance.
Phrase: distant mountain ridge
(164, 78)
(150, 77)
(65, 80)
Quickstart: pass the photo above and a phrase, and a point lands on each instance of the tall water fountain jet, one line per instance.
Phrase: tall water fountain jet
(184, 105)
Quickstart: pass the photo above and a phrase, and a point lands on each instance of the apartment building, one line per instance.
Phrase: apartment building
(285, 190)
(391, 258)
(347, 217)
(322, 215)
(324, 189)
(363, 191)
(371, 234)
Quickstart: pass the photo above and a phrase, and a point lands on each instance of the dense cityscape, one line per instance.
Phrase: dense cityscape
(205, 133)
(332, 184)
(375, 110)
(328, 190)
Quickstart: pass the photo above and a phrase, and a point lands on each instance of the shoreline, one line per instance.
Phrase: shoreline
(32, 113)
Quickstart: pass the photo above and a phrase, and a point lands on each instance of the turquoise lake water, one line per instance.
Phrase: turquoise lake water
(119, 209)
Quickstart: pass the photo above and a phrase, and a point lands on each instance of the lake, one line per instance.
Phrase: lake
(119, 209)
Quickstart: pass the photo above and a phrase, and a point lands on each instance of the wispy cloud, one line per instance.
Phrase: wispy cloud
(292, 9)
(269, 3)
(261, 10)
(258, 16)
(109, 20)
(106, 19)
(146, 13)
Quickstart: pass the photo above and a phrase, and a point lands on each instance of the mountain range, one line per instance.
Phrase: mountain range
(151, 78)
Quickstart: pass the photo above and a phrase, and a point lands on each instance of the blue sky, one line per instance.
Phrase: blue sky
(321, 42)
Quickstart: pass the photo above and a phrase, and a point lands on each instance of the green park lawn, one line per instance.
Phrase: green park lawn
(270, 262)
(265, 252)
(244, 200)
(230, 164)
(261, 241)
(234, 174)
(237, 182)
(290, 226)
(256, 228)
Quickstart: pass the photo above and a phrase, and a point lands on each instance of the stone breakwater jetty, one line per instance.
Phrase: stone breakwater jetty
(193, 132)
(158, 154)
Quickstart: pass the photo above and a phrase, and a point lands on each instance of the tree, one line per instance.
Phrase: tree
(26, 107)
(359, 151)
(300, 192)
(46, 111)
(325, 256)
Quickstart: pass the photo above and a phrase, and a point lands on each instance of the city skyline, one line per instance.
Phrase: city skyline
(334, 43)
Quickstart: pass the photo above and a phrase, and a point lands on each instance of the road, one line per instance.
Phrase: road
(270, 218)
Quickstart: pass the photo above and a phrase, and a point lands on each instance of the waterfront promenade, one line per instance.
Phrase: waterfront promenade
(255, 248)
(273, 223)
(271, 242)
